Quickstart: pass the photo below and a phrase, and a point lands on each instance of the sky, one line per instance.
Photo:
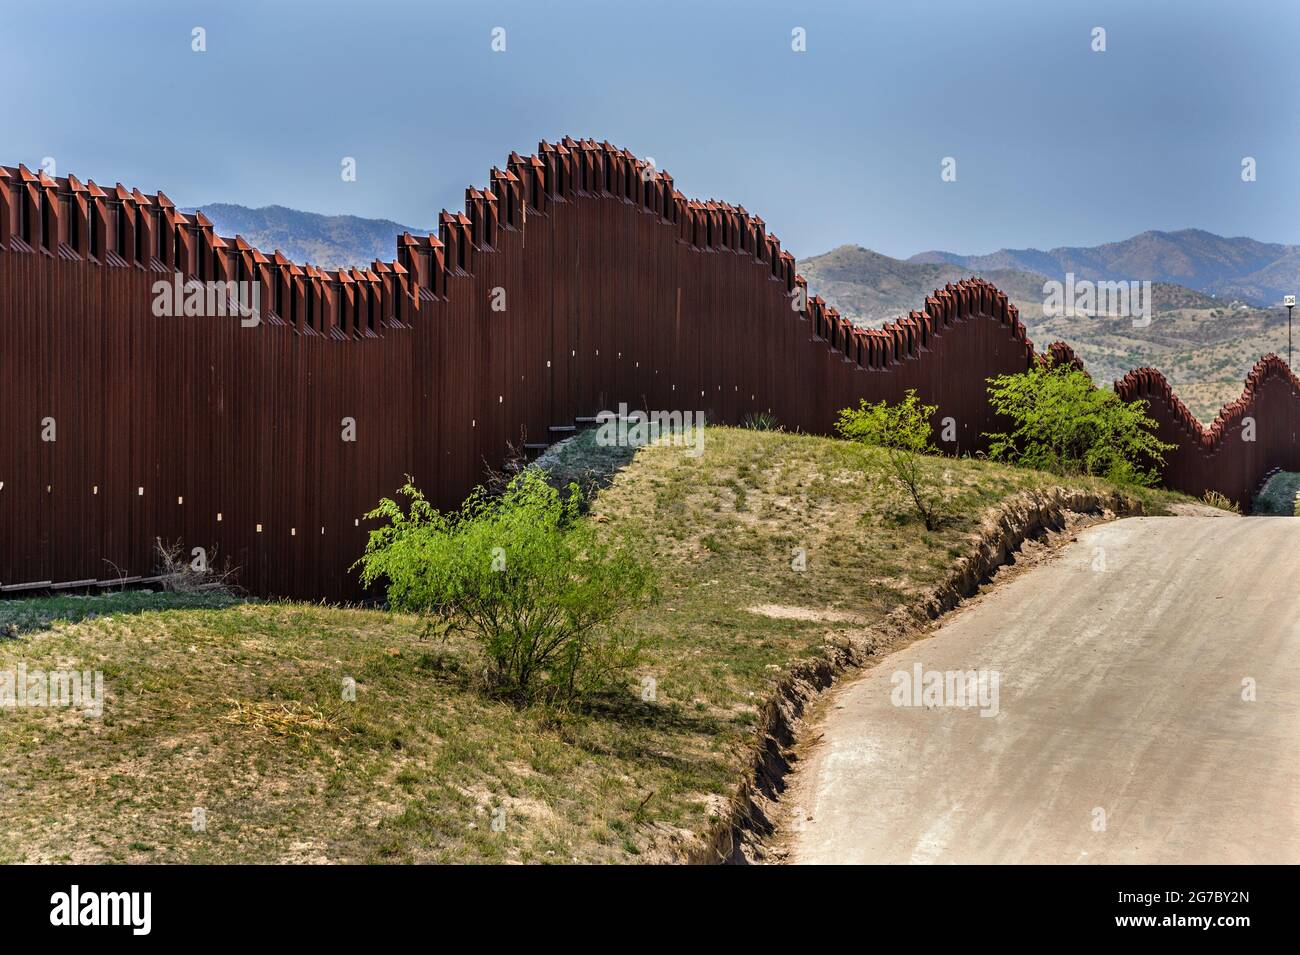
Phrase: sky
(1054, 143)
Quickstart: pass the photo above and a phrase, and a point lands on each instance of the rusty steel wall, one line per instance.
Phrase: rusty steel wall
(1251, 436)
(615, 286)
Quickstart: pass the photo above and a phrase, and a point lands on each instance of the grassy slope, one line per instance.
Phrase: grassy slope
(237, 708)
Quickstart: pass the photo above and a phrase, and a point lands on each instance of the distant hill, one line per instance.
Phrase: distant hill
(1259, 273)
(1204, 345)
(871, 288)
(306, 237)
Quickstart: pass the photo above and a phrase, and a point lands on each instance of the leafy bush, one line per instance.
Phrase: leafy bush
(522, 574)
(902, 434)
(1065, 424)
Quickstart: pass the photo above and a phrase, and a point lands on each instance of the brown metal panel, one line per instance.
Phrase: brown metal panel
(618, 288)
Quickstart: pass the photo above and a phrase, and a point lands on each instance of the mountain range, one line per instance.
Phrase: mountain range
(1259, 273)
(1214, 310)
(870, 288)
(331, 242)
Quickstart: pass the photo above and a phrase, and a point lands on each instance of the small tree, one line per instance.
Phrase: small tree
(901, 432)
(524, 575)
(1067, 425)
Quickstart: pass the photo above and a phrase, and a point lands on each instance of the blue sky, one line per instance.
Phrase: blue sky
(1055, 144)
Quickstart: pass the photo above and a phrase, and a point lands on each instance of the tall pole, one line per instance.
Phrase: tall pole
(1289, 302)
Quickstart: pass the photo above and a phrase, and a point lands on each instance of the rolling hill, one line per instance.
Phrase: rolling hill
(1204, 345)
(1259, 273)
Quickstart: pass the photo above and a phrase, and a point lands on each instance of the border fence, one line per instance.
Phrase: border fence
(579, 279)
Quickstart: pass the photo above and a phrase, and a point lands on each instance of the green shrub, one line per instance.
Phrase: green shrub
(760, 421)
(521, 573)
(1067, 425)
(901, 432)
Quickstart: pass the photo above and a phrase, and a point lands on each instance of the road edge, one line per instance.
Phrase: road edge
(738, 836)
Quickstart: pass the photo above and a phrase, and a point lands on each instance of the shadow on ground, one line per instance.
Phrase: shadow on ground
(34, 614)
(1278, 497)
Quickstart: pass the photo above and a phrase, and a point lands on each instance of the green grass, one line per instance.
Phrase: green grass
(238, 707)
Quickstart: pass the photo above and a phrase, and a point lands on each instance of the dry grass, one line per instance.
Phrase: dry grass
(239, 708)
(291, 719)
(179, 575)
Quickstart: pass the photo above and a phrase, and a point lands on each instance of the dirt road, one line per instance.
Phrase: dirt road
(1116, 732)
